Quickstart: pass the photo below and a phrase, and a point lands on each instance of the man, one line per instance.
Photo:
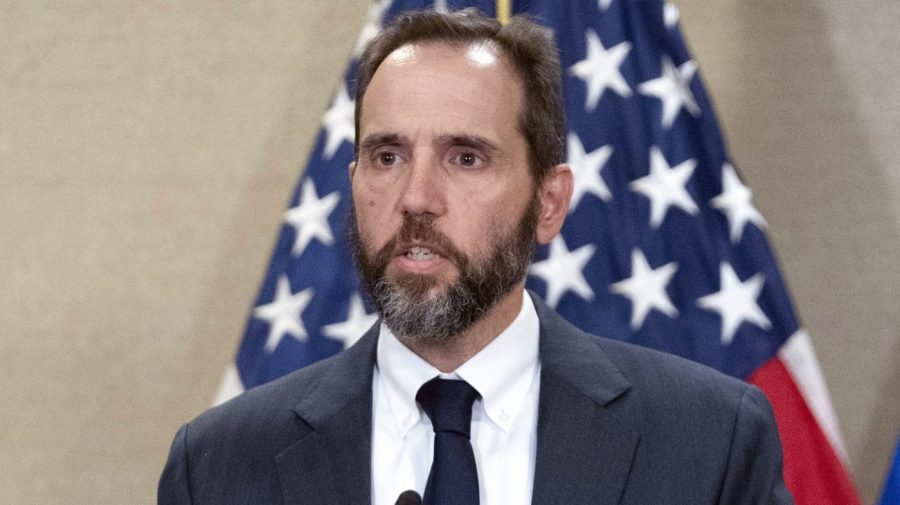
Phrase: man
(457, 173)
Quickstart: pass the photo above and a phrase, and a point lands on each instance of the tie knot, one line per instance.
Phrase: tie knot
(448, 403)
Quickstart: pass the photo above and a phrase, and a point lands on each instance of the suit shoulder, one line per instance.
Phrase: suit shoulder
(231, 450)
(652, 370)
(326, 383)
(657, 377)
(259, 409)
(665, 366)
(254, 409)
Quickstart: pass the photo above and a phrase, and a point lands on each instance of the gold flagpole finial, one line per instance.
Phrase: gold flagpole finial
(503, 10)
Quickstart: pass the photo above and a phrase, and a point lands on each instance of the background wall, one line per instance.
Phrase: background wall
(148, 148)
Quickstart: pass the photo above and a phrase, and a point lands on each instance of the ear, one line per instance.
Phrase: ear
(555, 195)
(351, 169)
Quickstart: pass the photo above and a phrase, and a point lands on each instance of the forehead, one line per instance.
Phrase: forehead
(437, 80)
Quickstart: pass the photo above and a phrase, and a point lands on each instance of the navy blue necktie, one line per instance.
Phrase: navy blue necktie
(454, 478)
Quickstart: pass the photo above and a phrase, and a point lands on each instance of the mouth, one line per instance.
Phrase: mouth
(419, 258)
(421, 253)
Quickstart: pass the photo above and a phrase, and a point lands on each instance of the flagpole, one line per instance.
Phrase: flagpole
(503, 10)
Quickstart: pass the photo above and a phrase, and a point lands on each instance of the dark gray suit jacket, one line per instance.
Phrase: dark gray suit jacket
(617, 424)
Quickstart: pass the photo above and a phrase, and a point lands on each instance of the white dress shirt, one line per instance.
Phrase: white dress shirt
(506, 373)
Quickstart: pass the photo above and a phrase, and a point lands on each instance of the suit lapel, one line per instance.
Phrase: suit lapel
(583, 451)
(331, 463)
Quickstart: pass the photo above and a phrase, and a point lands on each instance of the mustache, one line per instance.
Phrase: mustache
(420, 229)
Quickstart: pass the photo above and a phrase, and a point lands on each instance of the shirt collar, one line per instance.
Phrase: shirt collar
(502, 373)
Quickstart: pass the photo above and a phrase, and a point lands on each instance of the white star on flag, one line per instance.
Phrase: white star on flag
(563, 271)
(586, 169)
(670, 15)
(673, 87)
(646, 288)
(604, 4)
(356, 324)
(374, 20)
(284, 313)
(338, 122)
(736, 302)
(665, 186)
(735, 202)
(310, 217)
(600, 69)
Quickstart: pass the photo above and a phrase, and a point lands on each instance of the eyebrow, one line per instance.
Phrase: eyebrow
(374, 140)
(468, 140)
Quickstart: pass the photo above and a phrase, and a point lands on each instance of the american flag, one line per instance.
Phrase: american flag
(662, 246)
(891, 493)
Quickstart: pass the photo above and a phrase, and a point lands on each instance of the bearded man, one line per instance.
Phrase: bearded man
(471, 390)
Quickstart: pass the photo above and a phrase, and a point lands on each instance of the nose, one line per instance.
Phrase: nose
(423, 190)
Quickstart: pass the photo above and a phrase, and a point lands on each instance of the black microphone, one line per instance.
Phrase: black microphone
(409, 497)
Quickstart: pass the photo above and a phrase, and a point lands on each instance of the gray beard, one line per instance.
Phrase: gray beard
(423, 320)
(417, 317)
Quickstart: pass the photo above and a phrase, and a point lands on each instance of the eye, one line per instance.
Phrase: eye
(467, 159)
(387, 158)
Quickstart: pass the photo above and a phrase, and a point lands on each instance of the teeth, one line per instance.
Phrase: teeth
(420, 254)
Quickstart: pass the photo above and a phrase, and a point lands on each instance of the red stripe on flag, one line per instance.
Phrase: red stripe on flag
(812, 471)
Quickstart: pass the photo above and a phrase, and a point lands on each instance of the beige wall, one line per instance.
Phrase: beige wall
(147, 149)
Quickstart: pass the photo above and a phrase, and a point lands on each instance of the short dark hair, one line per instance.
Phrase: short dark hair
(530, 49)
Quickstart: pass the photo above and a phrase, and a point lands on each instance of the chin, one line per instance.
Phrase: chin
(428, 286)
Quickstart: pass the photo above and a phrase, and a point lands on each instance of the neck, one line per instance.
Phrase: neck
(450, 355)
